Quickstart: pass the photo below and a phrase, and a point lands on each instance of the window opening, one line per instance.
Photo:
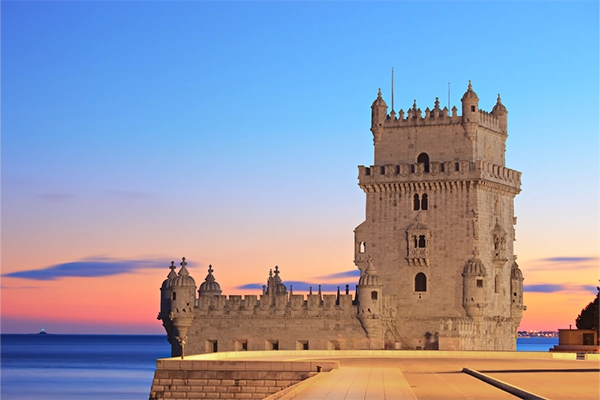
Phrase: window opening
(362, 247)
(382, 170)
(301, 344)
(272, 345)
(374, 295)
(424, 158)
(420, 282)
(174, 296)
(424, 202)
(479, 282)
(416, 202)
(422, 243)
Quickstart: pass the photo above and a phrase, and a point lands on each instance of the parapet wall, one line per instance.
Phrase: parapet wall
(280, 304)
(439, 171)
(416, 117)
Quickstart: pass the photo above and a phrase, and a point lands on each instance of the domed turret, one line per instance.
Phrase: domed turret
(378, 116)
(474, 300)
(502, 113)
(474, 267)
(182, 306)
(183, 278)
(370, 307)
(370, 277)
(274, 284)
(210, 287)
(470, 113)
(470, 93)
(166, 290)
(516, 294)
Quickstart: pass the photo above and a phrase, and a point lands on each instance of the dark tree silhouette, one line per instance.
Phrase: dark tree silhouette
(588, 319)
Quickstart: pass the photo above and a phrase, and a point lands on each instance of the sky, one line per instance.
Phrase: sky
(136, 133)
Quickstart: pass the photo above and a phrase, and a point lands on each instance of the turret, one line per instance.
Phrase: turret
(166, 291)
(474, 300)
(210, 287)
(183, 298)
(378, 116)
(470, 113)
(516, 294)
(370, 307)
(500, 111)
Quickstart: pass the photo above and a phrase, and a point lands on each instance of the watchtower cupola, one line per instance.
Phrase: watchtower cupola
(378, 117)
(501, 113)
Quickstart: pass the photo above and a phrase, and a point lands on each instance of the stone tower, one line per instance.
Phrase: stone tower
(440, 225)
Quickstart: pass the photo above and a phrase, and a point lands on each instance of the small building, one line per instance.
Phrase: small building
(577, 340)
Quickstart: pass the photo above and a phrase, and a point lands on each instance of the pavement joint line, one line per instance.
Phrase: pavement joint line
(507, 387)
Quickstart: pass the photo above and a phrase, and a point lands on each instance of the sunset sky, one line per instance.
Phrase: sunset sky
(135, 133)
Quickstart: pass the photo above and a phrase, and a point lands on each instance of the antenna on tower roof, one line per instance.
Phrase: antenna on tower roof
(392, 88)
(448, 95)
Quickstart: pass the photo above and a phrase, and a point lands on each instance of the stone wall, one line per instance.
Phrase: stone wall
(225, 379)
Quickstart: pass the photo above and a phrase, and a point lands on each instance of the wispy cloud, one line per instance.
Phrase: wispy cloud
(563, 263)
(89, 268)
(55, 197)
(18, 287)
(347, 274)
(568, 259)
(558, 287)
(129, 194)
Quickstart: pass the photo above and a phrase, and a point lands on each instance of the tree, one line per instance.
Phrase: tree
(588, 319)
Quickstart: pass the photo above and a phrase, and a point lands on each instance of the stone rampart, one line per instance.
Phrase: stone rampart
(229, 379)
(438, 171)
(276, 305)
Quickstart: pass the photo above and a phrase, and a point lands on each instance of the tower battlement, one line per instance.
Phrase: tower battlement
(276, 305)
(375, 177)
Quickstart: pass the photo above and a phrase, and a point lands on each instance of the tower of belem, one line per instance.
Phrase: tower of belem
(435, 253)
(440, 222)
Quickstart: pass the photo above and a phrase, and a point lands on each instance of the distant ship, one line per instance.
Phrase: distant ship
(43, 332)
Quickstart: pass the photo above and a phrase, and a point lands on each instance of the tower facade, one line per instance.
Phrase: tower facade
(439, 225)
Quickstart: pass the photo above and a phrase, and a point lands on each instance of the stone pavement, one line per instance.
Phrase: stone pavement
(442, 378)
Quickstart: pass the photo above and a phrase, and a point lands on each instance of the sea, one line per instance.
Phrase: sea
(115, 367)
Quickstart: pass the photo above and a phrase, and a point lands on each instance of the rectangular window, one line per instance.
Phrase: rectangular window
(479, 282)
(271, 344)
(301, 344)
(211, 346)
(240, 345)
(382, 169)
(333, 345)
(367, 171)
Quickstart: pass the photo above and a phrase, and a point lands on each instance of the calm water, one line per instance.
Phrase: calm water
(118, 367)
(115, 367)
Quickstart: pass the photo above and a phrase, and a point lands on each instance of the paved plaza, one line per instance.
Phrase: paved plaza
(442, 378)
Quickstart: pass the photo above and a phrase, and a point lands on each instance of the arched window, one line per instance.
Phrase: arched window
(416, 242)
(422, 243)
(362, 247)
(424, 202)
(416, 203)
(424, 158)
(420, 282)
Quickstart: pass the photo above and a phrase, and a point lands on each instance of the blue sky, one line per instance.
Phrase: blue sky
(230, 132)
